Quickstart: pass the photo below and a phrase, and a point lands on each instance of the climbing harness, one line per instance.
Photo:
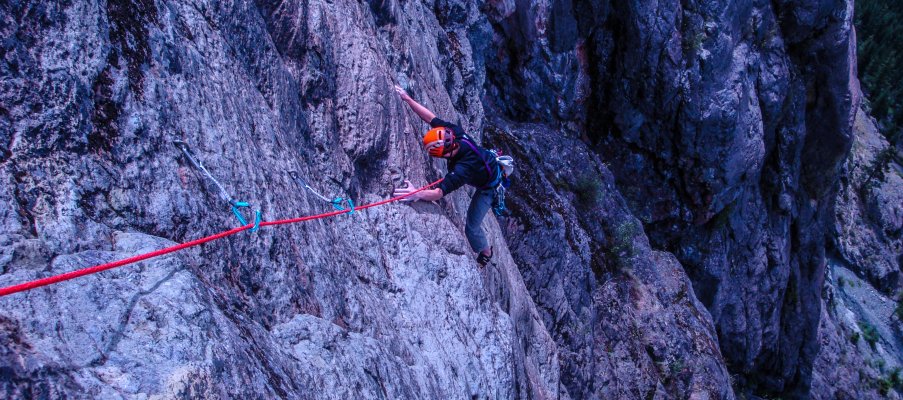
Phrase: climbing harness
(339, 203)
(236, 204)
(499, 184)
(103, 267)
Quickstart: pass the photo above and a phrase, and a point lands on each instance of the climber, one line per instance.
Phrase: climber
(468, 163)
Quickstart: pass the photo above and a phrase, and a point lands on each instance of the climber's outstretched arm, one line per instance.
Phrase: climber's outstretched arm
(425, 195)
(424, 113)
(430, 195)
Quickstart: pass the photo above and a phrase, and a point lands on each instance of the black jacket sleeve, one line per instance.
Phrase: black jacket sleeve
(459, 176)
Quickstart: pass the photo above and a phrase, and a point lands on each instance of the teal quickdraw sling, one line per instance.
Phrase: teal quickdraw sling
(236, 205)
(338, 203)
(241, 219)
(498, 199)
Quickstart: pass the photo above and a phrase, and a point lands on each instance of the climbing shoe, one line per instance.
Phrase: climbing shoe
(483, 259)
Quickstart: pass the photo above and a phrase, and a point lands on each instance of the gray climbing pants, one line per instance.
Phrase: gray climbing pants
(480, 204)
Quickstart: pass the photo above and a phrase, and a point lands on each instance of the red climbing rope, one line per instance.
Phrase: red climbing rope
(103, 267)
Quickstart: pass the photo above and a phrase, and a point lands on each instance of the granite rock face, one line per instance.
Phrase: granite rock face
(726, 125)
(386, 303)
(861, 340)
(862, 294)
(625, 317)
(868, 228)
(682, 178)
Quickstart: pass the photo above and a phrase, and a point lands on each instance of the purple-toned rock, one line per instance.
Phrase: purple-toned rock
(682, 180)
(868, 227)
(625, 316)
(384, 303)
(726, 125)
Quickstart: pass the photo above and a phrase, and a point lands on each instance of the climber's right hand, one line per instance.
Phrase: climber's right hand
(406, 189)
(402, 93)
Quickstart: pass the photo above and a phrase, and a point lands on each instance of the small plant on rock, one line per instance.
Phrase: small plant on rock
(676, 366)
(694, 42)
(623, 246)
(869, 333)
(879, 364)
(588, 190)
(891, 381)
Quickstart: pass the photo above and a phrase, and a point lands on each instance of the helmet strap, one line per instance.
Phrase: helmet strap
(450, 148)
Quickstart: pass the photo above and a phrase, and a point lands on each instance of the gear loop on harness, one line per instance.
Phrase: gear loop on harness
(498, 200)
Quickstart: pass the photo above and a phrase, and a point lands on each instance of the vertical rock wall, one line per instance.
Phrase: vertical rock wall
(678, 169)
(625, 316)
(387, 303)
(725, 125)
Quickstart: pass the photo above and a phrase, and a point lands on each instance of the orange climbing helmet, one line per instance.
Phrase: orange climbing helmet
(439, 141)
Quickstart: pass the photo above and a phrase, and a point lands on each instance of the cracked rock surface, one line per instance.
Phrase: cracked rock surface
(868, 225)
(686, 171)
(386, 303)
(625, 316)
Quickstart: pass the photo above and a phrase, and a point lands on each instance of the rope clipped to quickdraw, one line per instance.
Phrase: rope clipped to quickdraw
(235, 204)
(338, 203)
(4, 291)
(241, 219)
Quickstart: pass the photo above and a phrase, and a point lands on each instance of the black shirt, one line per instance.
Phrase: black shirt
(467, 166)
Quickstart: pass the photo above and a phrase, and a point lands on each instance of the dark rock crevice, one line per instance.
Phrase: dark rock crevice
(129, 20)
(106, 113)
